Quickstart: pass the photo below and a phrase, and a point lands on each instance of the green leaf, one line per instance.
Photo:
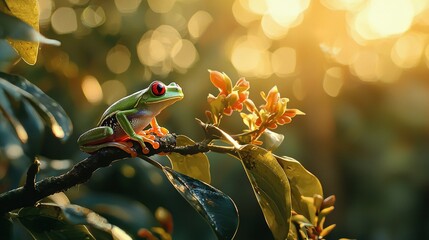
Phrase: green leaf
(50, 221)
(216, 207)
(7, 55)
(196, 165)
(272, 140)
(14, 28)
(270, 186)
(302, 182)
(50, 111)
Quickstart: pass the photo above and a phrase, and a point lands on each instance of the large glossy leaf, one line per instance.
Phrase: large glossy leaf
(270, 186)
(7, 55)
(302, 182)
(216, 207)
(51, 221)
(50, 111)
(196, 165)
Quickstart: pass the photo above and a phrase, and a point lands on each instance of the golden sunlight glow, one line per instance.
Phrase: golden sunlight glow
(118, 59)
(276, 16)
(342, 4)
(91, 89)
(286, 12)
(242, 13)
(283, 61)
(272, 29)
(365, 65)
(333, 81)
(427, 55)
(407, 51)
(184, 55)
(127, 6)
(383, 18)
(198, 23)
(298, 89)
(250, 56)
(163, 50)
(79, 2)
(113, 90)
(161, 6)
(93, 16)
(46, 7)
(64, 20)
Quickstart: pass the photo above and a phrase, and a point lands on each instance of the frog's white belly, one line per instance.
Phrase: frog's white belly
(139, 121)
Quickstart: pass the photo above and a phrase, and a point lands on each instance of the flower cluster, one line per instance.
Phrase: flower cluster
(229, 98)
(232, 98)
(273, 113)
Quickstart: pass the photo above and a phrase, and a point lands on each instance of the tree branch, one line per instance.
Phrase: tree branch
(32, 192)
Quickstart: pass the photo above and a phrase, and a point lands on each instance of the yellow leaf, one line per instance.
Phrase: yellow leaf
(270, 186)
(27, 11)
(303, 183)
(196, 166)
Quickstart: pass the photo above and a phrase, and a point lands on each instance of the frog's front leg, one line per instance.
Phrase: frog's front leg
(155, 128)
(125, 124)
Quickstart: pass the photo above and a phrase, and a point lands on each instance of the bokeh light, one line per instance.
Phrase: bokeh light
(64, 20)
(113, 90)
(333, 81)
(407, 50)
(118, 59)
(366, 65)
(198, 23)
(93, 16)
(46, 7)
(161, 6)
(127, 6)
(91, 89)
(283, 61)
(163, 50)
(250, 56)
(183, 54)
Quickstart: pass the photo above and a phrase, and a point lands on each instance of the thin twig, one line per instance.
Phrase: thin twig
(30, 182)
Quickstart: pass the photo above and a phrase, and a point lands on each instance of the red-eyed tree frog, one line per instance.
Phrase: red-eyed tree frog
(127, 119)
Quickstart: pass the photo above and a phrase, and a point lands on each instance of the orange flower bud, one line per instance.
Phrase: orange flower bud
(242, 85)
(228, 111)
(221, 81)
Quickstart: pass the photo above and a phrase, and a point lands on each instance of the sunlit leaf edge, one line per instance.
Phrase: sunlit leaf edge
(279, 229)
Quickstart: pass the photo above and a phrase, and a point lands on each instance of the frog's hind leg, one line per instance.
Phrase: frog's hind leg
(124, 146)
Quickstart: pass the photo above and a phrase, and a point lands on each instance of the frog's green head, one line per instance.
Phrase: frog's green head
(160, 94)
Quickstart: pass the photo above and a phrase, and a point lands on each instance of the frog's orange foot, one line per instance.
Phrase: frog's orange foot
(159, 131)
(145, 150)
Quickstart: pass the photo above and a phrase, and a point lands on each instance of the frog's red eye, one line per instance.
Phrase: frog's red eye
(158, 88)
